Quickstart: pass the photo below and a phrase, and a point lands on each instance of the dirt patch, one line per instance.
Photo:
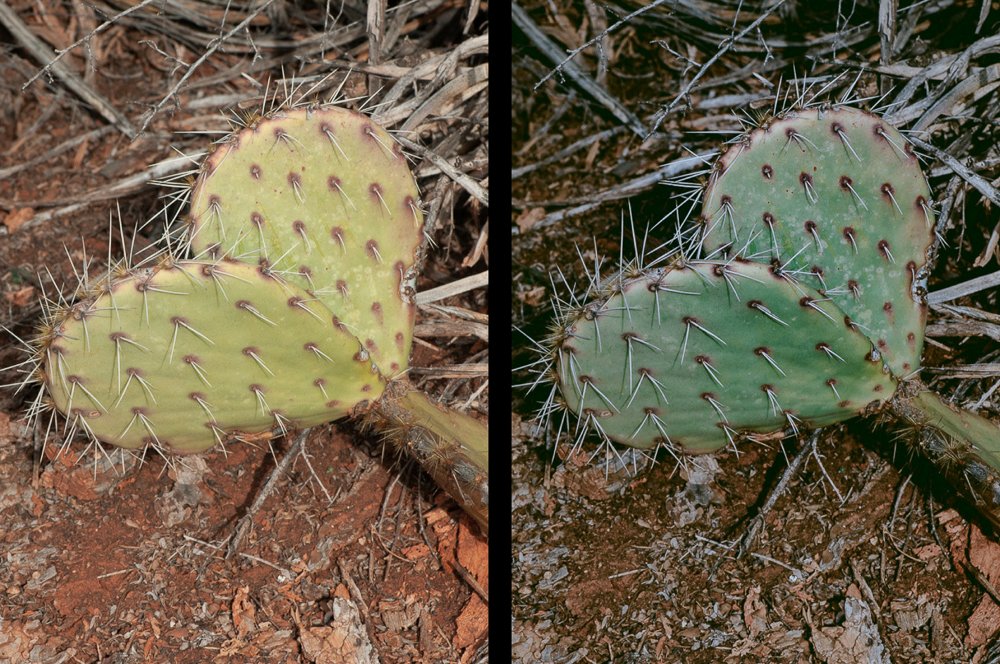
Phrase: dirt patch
(107, 575)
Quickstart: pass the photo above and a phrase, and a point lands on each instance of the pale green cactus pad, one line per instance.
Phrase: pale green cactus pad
(181, 356)
(692, 356)
(837, 197)
(326, 198)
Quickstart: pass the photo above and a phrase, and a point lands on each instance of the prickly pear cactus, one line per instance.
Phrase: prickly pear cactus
(838, 199)
(802, 305)
(324, 197)
(183, 355)
(297, 309)
(692, 355)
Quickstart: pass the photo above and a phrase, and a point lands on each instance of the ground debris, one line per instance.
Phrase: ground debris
(342, 641)
(855, 641)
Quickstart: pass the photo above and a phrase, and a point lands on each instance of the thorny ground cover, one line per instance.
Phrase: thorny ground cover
(106, 565)
(865, 555)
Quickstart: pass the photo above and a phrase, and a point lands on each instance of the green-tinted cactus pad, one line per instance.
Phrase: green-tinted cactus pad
(689, 356)
(838, 196)
(178, 357)
(326, 197)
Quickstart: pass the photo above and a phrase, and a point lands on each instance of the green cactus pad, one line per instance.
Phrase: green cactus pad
(182, 355)
(689, 356)
(837, 195)
(324, 196)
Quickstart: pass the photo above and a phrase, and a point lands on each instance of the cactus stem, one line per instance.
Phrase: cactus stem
(451, 447)
(957, 436)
